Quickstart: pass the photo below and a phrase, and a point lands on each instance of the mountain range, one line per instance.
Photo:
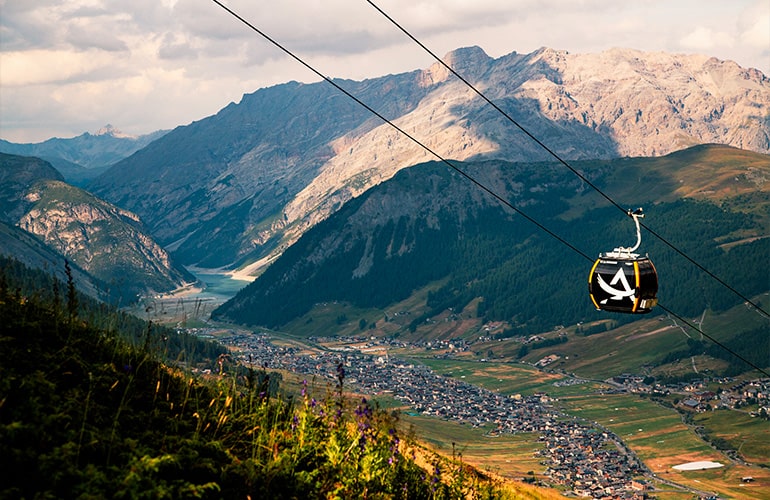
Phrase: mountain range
(82, 158)
(360, 238)
(239, 187)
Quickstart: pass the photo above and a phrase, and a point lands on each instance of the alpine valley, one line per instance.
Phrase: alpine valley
(463, 247)
(235, 190)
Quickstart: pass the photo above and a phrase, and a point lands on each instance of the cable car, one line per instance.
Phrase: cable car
(622, 281)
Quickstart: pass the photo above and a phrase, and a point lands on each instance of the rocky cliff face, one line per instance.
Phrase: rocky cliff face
(107, 242)
(240, 186)
(30, 251)
(650, 104)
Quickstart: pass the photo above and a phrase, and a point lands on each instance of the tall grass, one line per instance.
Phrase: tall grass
(86, 414)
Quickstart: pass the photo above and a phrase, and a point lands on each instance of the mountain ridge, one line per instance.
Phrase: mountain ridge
(84, 157)
(108, 242)
(429, 227)
(243, 184)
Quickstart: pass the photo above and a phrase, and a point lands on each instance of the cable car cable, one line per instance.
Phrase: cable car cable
(558, 158)
(450, 164)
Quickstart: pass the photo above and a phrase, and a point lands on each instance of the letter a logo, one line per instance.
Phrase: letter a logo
(616, 294)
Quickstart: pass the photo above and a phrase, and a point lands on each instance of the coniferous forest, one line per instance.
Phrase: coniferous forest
(523, 275)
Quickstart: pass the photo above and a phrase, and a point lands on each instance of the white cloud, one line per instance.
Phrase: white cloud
(143, 65)
(757, 29)
(705, 39)
(34, 67)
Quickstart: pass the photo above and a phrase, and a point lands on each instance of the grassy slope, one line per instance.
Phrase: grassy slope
(83, 414)
(708, 172)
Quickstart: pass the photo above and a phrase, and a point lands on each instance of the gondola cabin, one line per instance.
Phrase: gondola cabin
(624, 283)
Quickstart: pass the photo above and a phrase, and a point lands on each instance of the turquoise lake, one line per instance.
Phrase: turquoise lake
(219, 287)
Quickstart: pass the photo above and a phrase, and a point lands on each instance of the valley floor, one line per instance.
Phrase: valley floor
(588, 437)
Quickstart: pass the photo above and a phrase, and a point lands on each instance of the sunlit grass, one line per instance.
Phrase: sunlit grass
(748, 435)
(86, 414)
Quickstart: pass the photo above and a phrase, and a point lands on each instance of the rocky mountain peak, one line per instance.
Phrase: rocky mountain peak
(469, 62)
(242, 185)
(111, 131)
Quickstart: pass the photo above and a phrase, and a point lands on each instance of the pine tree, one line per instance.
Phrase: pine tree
(72, 295)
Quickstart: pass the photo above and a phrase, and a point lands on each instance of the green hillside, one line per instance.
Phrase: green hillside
(85, 412)
(428, 225)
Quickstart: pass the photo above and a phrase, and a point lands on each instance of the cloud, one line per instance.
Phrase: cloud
(35, 67)
(177, 46)
(149, 64)
(704, 39)
(755, 26)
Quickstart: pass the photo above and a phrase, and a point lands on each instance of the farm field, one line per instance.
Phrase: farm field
(505, 378)
(747, 434)
(509, 456)
(655, 433)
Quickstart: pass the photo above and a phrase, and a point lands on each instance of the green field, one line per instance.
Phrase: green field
(655, 433)
(507, 455)
(749, 435)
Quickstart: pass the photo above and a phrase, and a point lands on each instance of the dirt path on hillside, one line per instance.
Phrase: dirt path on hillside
(642, 335)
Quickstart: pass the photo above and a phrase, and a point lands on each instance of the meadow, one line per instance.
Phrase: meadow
(657, 433)
(747, 434)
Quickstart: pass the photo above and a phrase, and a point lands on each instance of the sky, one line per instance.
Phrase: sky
(73, 66)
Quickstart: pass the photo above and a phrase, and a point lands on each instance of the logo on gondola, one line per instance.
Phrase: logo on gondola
(616, 294)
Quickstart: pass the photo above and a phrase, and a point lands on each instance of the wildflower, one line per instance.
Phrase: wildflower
(362, 441)
(436, 474)
(394, 446)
